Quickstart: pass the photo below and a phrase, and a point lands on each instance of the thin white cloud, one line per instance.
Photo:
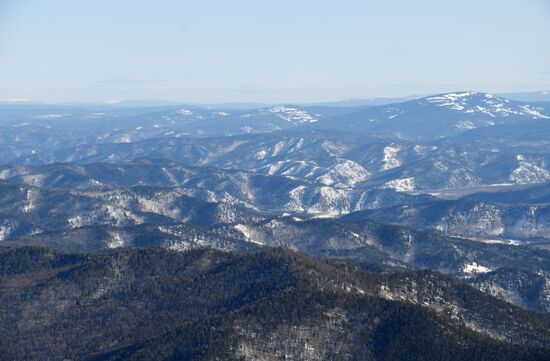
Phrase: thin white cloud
(15, 100)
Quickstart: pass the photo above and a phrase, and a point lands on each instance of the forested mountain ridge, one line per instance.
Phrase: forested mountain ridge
(250, 306)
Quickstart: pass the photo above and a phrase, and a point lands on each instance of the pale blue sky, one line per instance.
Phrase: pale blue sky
(269, 51)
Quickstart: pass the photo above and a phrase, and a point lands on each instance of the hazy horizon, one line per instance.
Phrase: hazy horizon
(213, 52)
(540, 95)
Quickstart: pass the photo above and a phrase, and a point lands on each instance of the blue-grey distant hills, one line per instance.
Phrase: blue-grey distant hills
(436, 116)
(455, 182)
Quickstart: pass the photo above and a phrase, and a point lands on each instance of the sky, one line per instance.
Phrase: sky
(213, 51)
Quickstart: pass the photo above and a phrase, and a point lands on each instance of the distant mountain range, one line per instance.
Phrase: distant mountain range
(162, 203)
(428, 221)
(536, 96)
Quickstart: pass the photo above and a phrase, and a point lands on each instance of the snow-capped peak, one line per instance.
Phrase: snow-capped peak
(484, 103)
(292, 115)
(465, 101)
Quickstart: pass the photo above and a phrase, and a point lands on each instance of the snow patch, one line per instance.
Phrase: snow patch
(535, 112)
(401, 185)
(528, 173)
(30, 205)
(465, 125)
(116, 241)
(474, 268)
(293, 115)
(185, 112)
(247, 232)
(390, 157)
(123, 139)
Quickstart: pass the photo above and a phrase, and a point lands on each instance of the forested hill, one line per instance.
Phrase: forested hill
(211, 305)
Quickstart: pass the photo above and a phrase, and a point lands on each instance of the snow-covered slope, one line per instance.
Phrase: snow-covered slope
(436, 116)
(484, 103)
